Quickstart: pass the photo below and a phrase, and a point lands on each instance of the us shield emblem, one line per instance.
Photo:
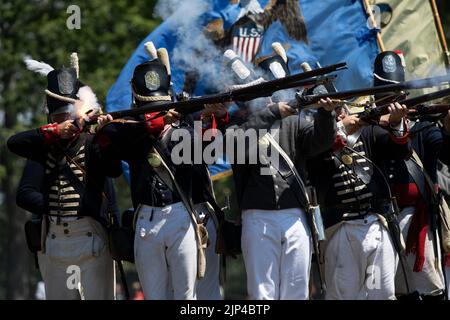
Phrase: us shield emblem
(152, 81)
(389, 64)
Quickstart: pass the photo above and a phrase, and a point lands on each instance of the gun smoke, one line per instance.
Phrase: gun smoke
(194, 52)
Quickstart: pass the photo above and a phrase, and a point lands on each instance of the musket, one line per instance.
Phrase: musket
(431, 109)
(315, 223)
(264, 89)
(305, 101)
(416, 105)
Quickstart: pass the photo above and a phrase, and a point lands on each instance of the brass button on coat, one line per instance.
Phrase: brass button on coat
(347, 159)
(154, 160)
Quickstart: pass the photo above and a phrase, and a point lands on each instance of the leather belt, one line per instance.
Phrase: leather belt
(360, 210)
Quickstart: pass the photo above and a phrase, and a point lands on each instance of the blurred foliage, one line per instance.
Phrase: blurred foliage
(235, 286)
(109, 33)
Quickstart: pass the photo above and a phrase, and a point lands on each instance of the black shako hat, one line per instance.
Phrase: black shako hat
(61, 82)
(151, 80)
(64, 88)
(388, 69)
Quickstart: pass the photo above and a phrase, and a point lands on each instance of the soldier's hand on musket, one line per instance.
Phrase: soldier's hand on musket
(351, 123)
(103, 119)
(327, 104)
(171, 116)
(384, 120)
(446, 123)
(286, 110)
(397, 112)
(68, 129)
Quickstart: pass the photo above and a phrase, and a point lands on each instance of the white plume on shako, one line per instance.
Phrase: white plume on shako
(87, 102)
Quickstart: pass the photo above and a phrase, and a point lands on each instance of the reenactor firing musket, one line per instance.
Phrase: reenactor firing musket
(304, 101)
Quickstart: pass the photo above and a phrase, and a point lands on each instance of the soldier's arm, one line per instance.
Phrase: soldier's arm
(393, 143)
(444, 155)
(390, 146)
(264, 118)
(318, 136)
(120, 138)
(243, 133)
(433, 144)
(32, 144)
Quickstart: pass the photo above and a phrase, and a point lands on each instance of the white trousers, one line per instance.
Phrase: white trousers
(447, 275)
(360, 261)
(166, 252)
(431, 279)
(208, 288)
(77, 263)
(276, 248)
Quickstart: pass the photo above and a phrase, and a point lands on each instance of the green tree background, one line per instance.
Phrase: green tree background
(110, 31)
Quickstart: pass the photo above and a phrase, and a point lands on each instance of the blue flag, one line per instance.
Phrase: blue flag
(337, 32)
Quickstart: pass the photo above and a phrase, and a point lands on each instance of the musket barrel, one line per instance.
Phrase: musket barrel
(427, 97)
(410, 103)
(413, 84)
(432, 109)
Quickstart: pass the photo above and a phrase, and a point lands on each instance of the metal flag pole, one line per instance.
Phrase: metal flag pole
(369, 12)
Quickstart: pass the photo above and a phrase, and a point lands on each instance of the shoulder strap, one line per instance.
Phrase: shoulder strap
(353, 138)
(418, 176)
(168, 178)
(74, 180)
(436, 198)
(293, 178)
(166, 175)
(421, 177)
(111, 217)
